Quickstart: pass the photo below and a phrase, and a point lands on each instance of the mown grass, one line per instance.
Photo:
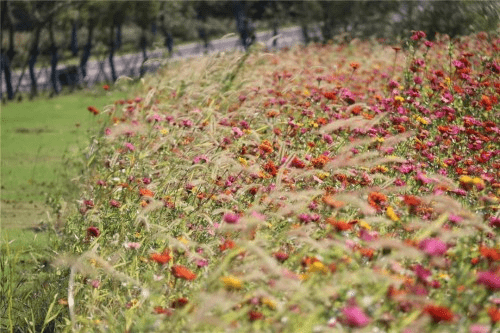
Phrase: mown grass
(36, 136)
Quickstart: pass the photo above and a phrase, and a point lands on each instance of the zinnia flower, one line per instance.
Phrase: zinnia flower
(433, 246)
(232, 282)
(439, 313)
(161, 258)
(355, 317)
(489, 279)
(182, 272)
(93, 232)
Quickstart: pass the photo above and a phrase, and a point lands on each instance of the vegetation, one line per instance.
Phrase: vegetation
(341, 186)
(47, 32)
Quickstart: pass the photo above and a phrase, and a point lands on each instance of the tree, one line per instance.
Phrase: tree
(7, 22)
(145, 12)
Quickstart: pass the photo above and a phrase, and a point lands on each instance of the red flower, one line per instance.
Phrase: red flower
(180, 302)
(297, 163)
(439, 313)
(182, 272)
(105, 87)
(330, 95)
(93, 232)
(494, 314)
(161, 258)
(93, 110)
(228, 244)
(255, 315)
(161, 310)
(281, 256)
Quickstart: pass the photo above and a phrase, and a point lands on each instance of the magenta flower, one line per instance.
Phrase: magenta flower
(433, 246)
(421, 272)
(355, 317)
(489, 279)
(231, 218)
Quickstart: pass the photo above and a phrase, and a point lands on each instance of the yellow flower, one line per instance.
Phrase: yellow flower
(266, 301)
(231, 282)
(447, 80)
(322, 175)
(399, 99)
(364, 225)
(477, 181)
(164, 131)
(306, 92)
(303, 277)
(317, 266)
(182, 240)
(465, 179)
(422, 120)
(380, 140)
(242, 161)
(391, 214)
(93, 262)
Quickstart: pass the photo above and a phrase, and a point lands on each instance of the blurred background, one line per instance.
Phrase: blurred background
(50, 44)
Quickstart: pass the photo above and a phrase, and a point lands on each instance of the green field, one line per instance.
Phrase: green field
(35, 135)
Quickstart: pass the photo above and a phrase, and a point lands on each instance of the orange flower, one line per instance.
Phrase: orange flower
(182, 272)
(270, 168)
(320, 161)
(494, 314)
(330, 201)
(354, 65)
(377, 200)
(339, 225)
(490, 253)
(161, 258)
(146, 193)
(266, 146)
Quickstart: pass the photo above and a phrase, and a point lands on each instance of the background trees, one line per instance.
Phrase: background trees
(59, 30)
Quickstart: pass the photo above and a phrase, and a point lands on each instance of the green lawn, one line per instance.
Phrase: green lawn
(35, 135)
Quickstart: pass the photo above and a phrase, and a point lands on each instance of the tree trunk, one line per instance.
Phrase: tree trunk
(112, 54)
(143, 44)
(6, 61)
(86, 51)
(74, 39)
(118, 37)
(34, 51)
(54, 59)
(8, 78)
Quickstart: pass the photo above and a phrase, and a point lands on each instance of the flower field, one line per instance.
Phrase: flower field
(324, 188)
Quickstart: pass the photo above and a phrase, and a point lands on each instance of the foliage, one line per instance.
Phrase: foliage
(335, 186)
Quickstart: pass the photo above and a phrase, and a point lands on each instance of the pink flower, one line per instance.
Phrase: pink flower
(132, 245)
(489, 279)
(129, 146)
(355, 317)
(237, 132)
(114, 203)
(231, 218)
(433, 246)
